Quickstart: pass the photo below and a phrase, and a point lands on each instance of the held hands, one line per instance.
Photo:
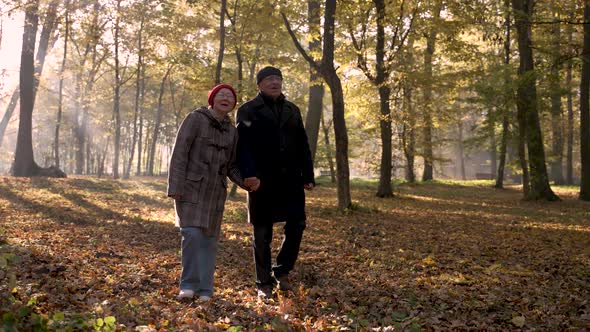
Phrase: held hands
(252, 183)
(308, 186)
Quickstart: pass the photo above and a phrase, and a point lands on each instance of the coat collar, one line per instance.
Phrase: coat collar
(222, 125)
(287, 112)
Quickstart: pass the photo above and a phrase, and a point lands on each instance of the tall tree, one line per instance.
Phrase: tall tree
(24, 162)
(46, 41)
(527, 103)
(138, 94)
(585, 109)
(408, 133)
(570, 113)
(117, 97)
(61, 84)
(507, 94)
(385, 53)
(556, 164)
(427, 144)
(328, 72)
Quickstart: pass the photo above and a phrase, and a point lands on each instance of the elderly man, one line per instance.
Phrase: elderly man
(273, 149)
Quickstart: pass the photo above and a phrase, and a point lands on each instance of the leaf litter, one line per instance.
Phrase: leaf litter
(435, 257)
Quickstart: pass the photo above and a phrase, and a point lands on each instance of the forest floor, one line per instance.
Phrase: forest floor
(86, 253)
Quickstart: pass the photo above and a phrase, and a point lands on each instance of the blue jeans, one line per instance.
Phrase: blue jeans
(198, 261)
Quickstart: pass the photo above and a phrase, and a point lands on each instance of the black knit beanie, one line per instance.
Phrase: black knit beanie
(267, 71)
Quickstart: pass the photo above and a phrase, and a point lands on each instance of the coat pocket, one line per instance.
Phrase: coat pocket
(192, 187)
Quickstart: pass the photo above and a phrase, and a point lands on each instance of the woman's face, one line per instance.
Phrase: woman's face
(224, 101)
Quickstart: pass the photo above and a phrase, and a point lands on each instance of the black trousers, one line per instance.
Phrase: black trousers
(293, 232)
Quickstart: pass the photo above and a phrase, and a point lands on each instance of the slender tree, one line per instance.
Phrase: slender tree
(585, 109)
(328, 72)
(61, 84)
(385, 52)
(507, 93)
(570, 113)
(117, 97)
(556, 164)
(138, 93)
(427, 126)
(157, 124)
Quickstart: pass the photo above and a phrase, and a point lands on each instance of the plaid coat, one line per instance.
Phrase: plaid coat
(203, 157)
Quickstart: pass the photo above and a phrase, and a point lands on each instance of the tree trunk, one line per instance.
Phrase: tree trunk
(570, 114)
(340, 133)
(409, 136)
(44, 47)
(381, 81)
(127, 172)
(140, 131)
(507, 99)
(527, 104)
(384, 188)
(316, 88)
(116, 100)
(61, 85)
(503, 150)
(152, 154)
(556, 165)
(326, 131)
(428, 173)
(24, 163)
(461, 150)
(585, 110)
(493, 144)
(221, 42)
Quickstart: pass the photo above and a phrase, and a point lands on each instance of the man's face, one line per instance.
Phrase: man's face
(271, 86)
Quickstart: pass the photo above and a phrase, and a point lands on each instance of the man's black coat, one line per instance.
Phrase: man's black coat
(273, 146)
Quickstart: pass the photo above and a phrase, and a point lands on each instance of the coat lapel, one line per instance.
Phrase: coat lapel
(264, 110)
(286, 113)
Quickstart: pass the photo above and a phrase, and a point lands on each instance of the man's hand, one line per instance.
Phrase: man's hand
(308, 186)
(252, 183)
(175, 196)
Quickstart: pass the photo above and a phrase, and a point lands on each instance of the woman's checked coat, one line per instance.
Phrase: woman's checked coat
(203, 157)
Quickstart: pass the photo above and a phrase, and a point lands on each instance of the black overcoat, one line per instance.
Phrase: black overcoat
(273, 146)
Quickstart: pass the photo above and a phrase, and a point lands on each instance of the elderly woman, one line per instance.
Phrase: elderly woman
(202, 159)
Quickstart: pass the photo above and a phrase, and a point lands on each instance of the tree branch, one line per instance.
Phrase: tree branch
(306, 56)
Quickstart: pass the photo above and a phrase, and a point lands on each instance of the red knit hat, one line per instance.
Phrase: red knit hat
(216, 89)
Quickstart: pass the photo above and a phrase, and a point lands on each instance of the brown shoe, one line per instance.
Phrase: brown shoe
(283, 283)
